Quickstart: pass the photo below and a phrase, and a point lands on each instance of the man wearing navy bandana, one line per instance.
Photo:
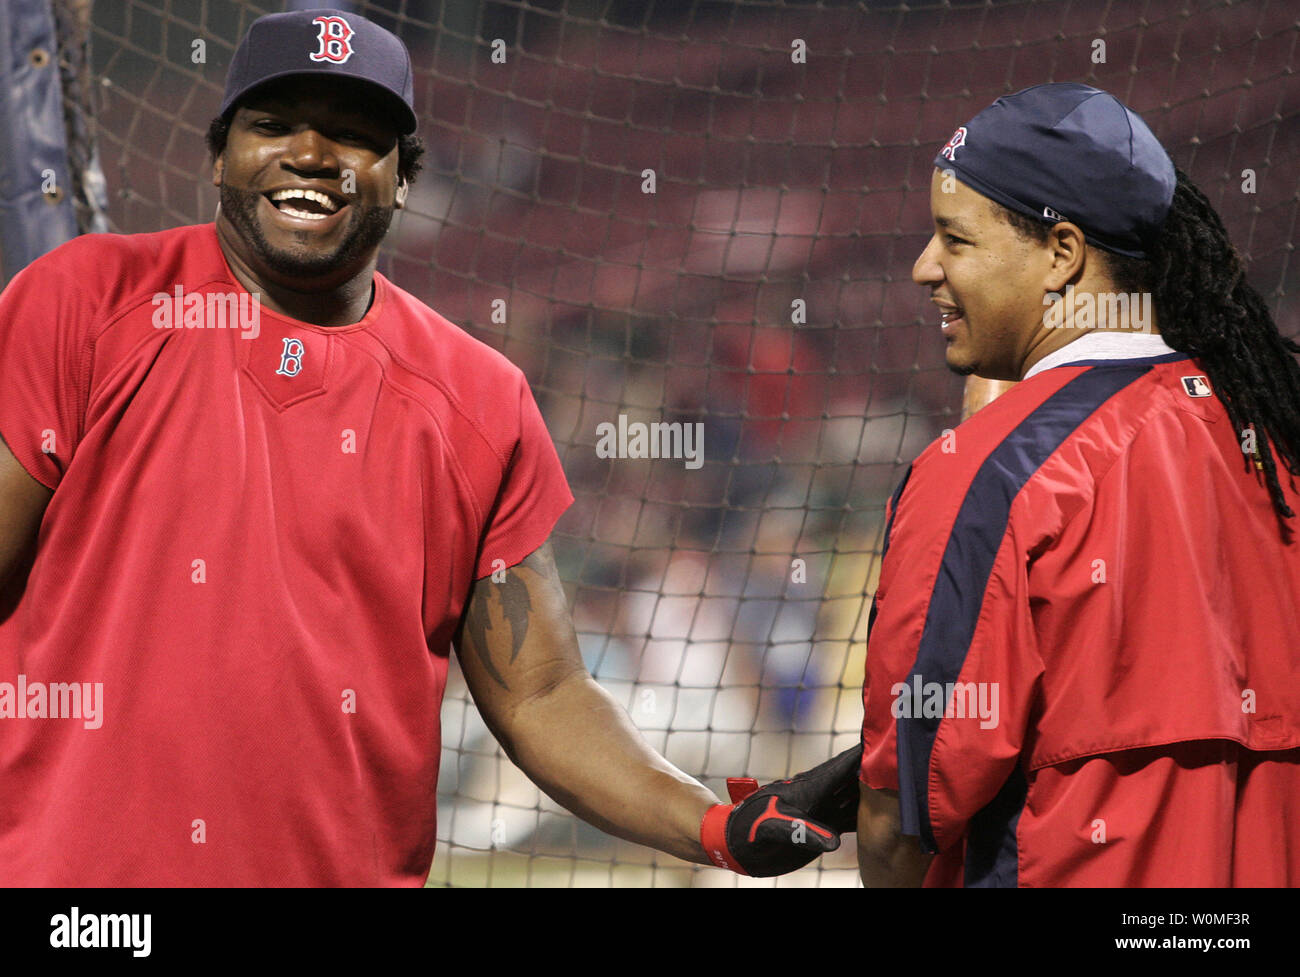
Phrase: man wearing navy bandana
(1080, 667)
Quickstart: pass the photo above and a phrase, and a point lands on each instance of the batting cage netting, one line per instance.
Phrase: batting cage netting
(705, 214)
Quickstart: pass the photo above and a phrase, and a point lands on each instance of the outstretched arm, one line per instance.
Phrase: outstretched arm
(519, 653)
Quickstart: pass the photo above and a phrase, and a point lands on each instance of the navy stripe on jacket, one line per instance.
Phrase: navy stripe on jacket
(959, 587)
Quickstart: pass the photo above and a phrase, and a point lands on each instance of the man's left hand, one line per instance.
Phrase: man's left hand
(785, 825)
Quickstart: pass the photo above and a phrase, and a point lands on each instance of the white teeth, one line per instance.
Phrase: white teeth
(315, 195)
(302, 213)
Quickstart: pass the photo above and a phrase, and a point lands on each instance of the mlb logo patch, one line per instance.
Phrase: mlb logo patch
(958, 139)
(1196, 386)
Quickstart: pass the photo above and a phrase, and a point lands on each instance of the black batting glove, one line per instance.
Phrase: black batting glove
(781, 827)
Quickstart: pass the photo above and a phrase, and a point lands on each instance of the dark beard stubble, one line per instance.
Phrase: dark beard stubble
(367, 226)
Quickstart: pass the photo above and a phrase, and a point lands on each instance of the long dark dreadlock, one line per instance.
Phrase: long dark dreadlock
(1206, 308)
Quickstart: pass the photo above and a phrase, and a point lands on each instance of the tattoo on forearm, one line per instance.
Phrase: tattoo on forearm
(512, 597)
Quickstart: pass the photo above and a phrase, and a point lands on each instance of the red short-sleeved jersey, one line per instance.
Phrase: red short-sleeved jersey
(259, 548)
(1082, 664)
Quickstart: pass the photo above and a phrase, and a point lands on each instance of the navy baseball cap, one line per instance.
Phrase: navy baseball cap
(1069, 152)
(328, 44)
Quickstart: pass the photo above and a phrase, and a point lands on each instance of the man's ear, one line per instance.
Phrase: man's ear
(403, 188)
(218, 168)
(1069, 250)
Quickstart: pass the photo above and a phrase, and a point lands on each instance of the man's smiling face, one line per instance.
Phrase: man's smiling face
(986, 279)
(309, 182)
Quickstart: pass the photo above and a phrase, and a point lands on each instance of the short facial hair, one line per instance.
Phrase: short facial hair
(367, 226)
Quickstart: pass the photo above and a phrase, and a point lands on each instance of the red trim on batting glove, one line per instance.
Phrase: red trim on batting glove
(741, 787)
(713, 836)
